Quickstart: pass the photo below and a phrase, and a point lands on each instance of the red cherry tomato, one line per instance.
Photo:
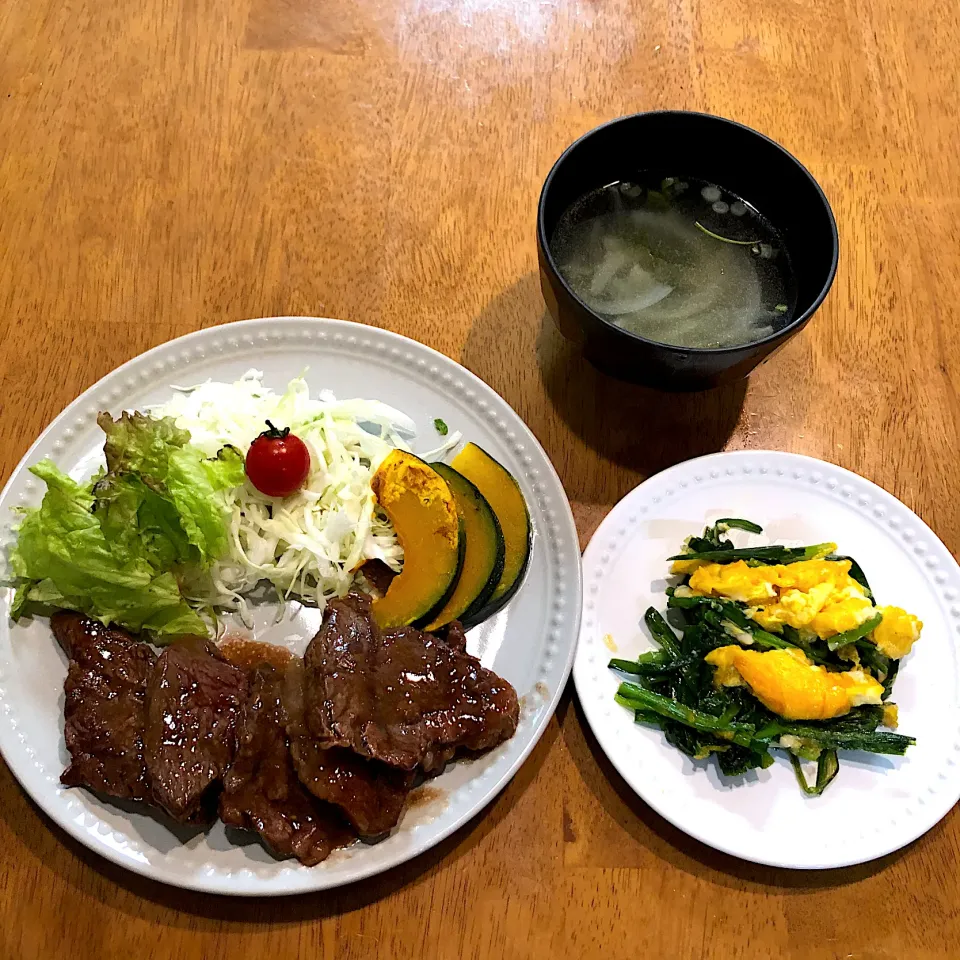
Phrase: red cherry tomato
(277, 462)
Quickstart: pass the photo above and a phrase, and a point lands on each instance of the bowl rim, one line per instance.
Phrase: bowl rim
(772, 339)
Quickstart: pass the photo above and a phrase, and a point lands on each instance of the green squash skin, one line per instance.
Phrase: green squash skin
(462, 487)
(472, 618)
(493, 607)
(421, 622)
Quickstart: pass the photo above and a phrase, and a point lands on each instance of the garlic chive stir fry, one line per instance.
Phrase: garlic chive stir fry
(778, 648)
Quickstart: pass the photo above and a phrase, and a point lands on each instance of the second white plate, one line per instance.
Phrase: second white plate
(876, 804)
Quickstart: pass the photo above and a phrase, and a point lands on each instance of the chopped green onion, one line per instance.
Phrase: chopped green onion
(661, 631)
(441, 427)
(869, 741)
(771, 554)
(630, 695)
(857, 633)
(653, 658)
(716, 236)
(827, 768)
(732, 523)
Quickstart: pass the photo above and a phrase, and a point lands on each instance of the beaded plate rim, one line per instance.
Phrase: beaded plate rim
(556, 546)
(931, 801)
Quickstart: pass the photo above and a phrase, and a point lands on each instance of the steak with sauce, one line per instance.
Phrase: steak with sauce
(104, 707)
(261, 790)
(309, 753)
(404, 697)
(193, 699)
(370, 794)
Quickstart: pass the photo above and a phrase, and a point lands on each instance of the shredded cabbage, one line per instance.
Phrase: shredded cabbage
(310, 544)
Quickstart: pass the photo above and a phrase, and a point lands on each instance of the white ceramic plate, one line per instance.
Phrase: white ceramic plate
(530, 642)
(876, 804)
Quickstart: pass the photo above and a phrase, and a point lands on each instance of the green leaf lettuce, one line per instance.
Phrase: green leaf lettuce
(147, 456)
(113, 548)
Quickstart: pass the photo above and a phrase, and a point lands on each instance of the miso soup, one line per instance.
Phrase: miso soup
(676, 260)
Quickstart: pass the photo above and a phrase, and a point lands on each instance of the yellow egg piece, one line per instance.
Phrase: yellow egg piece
(841, 616)
(809, 573)
(788, 684)
(818, 596)
(734, 581)
(897, 632)
(891, 715)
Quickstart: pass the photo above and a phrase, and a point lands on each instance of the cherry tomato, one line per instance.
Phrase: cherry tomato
(277, 462)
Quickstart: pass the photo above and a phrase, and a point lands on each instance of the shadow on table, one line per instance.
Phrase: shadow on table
(515, 347)
(53, 850)
(681, 851)
(637, 427)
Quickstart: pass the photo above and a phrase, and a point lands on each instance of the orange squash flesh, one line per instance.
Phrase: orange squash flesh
(503, 494)
(425, 518)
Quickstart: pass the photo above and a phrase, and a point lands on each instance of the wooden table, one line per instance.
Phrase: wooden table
(167, 166)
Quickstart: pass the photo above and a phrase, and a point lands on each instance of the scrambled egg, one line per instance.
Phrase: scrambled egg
(897, 632)
(818, 597)
(788, 684)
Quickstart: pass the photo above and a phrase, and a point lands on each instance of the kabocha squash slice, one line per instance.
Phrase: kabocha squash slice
(484, 556)
(424, 515)
(503, 494)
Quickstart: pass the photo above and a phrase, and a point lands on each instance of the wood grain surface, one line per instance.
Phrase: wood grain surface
(169, 165)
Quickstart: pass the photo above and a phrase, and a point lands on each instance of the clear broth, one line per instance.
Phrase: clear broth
(677, 260)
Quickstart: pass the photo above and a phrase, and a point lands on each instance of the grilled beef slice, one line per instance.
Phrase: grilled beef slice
(193, 699)
(104, 706)
(370, 795)
(404, 697)
(261, 790)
